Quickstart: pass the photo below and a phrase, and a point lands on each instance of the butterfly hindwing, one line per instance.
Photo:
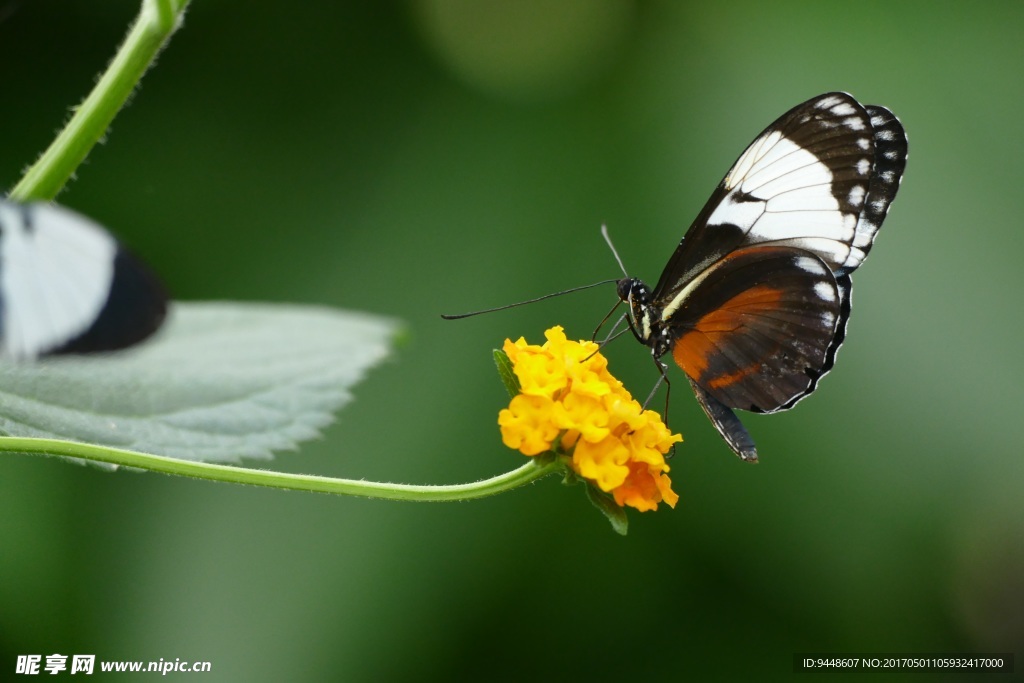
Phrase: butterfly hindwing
(755, 331)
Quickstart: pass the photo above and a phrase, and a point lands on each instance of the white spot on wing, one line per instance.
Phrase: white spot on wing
(856, 195)
(829, 102)
(824, 291)
(854, 123)
(808, 265)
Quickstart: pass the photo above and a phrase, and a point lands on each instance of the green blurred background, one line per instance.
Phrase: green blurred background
(424, 157)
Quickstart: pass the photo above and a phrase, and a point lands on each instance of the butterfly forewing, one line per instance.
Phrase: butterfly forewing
(802, 183)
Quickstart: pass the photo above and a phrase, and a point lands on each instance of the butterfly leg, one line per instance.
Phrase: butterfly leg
(604, 320)
(663, 377)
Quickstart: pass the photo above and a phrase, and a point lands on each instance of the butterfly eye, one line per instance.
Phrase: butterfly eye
(623, 288)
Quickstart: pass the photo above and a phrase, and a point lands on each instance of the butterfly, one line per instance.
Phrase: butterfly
(67, 286)
(754, 302)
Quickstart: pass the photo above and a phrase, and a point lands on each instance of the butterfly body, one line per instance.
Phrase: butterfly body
(754, 302)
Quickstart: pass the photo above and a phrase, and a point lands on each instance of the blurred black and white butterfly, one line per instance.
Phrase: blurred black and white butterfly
(67, 286)
(753, 304)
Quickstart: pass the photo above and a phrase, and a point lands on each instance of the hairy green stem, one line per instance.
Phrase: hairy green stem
(156, 21)
(531, 471)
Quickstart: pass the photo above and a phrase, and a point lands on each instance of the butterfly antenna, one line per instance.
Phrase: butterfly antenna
(615, 253)
(523, 303)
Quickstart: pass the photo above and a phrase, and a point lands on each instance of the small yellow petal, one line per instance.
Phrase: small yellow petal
(526, 424)
(643, 489)
(540, 375)
(583, 414)
(603, 462)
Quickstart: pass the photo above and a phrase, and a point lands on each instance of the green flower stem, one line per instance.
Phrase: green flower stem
(157, 20)
(533, 470)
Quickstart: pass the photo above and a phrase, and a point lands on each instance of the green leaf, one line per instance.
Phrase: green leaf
(220, 382)
(615, 514)
(505, 372)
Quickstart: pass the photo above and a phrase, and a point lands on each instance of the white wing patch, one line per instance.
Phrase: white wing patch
(56, 269)
(781, 193)
(751, 156)
(742, 214)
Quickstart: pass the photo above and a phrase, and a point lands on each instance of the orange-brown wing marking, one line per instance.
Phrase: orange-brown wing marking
(695, 348)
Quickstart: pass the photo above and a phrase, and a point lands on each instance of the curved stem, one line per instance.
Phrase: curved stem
(156, 21)
(531, 471)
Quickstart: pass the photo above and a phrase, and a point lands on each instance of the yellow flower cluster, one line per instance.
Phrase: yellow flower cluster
(569, 399)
